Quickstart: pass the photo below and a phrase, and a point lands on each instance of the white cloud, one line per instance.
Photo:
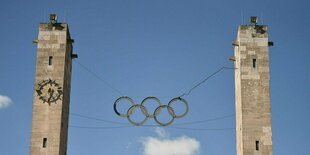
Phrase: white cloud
(162, 133)
(4, 101)
(164, 145)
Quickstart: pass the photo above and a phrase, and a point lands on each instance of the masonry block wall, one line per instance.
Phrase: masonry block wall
(253, 115)
(50, 120)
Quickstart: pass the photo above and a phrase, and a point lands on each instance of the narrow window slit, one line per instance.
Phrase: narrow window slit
(44, 142)
(50, 60)
(257, 145)
(254, 63)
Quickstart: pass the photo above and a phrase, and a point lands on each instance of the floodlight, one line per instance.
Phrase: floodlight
(53, 18)
(253, 20)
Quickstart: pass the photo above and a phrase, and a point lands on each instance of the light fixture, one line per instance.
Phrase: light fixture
(254, 20)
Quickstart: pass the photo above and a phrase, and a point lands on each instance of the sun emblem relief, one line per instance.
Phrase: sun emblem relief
(49, 91)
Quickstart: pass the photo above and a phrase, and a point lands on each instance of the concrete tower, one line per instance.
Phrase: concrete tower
(50, 112)
(253, 115)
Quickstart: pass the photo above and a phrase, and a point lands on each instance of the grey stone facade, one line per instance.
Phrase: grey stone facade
(253, 115)
(50, 120)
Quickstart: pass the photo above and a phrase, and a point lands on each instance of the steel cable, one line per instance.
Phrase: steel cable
(203, 81)
(99, 78)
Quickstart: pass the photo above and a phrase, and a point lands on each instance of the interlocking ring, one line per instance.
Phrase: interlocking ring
(184, 101)
(152, 98)
(156, 112)
(118, 100)
(171, 112)
(132, 109)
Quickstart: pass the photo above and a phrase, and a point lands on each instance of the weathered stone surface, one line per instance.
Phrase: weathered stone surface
(51, 120)
(253, 115)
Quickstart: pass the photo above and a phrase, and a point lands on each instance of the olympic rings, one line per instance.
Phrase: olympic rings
(145, 112)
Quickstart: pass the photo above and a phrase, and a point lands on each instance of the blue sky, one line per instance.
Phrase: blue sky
(156, 48)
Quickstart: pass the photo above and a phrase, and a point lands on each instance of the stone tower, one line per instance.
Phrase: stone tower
(50, 112)
(252, 89)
